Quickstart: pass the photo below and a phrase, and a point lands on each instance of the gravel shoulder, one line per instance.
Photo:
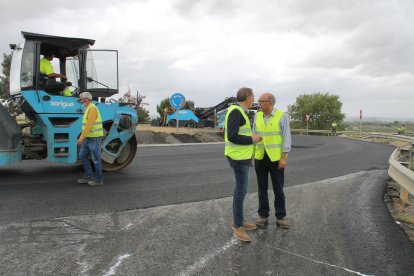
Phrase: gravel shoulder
(402, 212)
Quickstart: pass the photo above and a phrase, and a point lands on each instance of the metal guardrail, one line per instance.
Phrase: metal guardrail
(401, 171)
(306, 131)
(390, 136)
(328, 132)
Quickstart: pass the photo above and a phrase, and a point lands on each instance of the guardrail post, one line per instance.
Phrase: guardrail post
(403, 195)
(404, 192)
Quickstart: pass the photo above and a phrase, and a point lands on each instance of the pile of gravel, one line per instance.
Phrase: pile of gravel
(151, 137)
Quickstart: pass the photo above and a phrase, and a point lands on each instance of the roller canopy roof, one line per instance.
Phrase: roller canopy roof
(60, 46)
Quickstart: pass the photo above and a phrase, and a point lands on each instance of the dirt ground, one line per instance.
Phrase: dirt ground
(403, 213)
(147, 134)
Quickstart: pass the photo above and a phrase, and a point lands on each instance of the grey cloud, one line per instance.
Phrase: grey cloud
(376, 49)
(21, 10)
(372, 54)
(193, 9)
(185, 7)
(385, 49)
(377, 38)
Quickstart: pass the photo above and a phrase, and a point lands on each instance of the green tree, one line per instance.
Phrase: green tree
(323, 109)
(143, 115)
(136, 103)
(4, 83)
(163, 108)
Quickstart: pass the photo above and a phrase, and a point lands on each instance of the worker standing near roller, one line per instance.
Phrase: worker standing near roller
(90, 141)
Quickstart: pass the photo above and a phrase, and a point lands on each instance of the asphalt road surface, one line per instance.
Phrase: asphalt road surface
(169, 213)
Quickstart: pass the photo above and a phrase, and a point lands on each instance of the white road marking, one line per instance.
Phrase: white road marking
(203, 261)
(320, 262)
(83, 265)
(126, 226)
(118, 263)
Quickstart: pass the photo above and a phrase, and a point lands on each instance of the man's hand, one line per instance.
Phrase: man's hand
(256, 138)
(79, 142)
(282, 161)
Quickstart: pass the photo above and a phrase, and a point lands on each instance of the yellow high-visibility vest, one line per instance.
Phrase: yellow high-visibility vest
(46, 66)
(272, 139)
(66, 92)
(97, 128)
(236, 151)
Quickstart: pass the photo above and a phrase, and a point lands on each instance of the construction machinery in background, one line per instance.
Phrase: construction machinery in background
(196, 117)
(204, 117)
(55, 121)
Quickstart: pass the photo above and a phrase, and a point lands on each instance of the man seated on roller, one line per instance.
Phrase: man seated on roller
(51, 84)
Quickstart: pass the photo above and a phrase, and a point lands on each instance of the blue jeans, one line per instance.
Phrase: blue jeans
(241, 173)
(91, 148)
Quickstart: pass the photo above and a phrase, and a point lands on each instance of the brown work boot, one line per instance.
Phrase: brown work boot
(84, 180)
(249, 226)
(282, 223)
(95, 183)
(262, 221)
(240, 233)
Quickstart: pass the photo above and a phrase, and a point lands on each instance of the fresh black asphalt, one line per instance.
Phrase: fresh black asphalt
(159, 176)
(169, 213)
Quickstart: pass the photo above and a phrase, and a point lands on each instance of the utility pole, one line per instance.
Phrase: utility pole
(307, 123)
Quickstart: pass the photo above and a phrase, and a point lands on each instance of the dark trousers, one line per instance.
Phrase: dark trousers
(263, 169)
(54, 87)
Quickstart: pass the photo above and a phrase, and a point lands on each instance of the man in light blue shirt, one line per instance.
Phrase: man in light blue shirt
(284, 127)
(271, 158)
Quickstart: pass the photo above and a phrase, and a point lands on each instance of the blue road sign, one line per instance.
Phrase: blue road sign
(177, 100)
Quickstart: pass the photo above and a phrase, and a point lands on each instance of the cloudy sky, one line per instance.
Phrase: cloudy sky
(362, 51)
